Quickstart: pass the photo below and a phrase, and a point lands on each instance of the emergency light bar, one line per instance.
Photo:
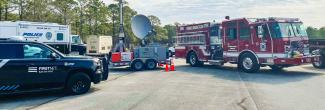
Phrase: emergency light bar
(256, 20)
(284, 19)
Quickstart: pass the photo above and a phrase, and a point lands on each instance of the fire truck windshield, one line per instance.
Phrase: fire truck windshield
(285, 30)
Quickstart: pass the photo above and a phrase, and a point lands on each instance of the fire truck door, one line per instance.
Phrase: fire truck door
(263, 39)
(231, 34)
(244, 41)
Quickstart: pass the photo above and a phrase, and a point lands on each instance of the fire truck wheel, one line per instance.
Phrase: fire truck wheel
(137, 65)
(248, 63)
(320, 64)
(276, 67)
(194, 61)
(151, 64)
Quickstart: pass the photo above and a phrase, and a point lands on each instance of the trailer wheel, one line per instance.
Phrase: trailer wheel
(276, 67)
(194, 60)
(151, 64)
(137, 65)
(248, 63)
(320, 64)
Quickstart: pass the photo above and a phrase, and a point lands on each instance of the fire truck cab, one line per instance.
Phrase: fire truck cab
(249, 43)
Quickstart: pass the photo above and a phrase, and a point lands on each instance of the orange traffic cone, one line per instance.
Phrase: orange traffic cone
(166, 68)
(172, 66)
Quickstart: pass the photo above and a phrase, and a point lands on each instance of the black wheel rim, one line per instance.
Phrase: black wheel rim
(151, 65)
(138, 65)
(78, 86)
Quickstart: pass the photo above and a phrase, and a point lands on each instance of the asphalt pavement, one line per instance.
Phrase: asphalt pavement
(190, 88)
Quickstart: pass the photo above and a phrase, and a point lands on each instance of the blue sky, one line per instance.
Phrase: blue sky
(311, 12)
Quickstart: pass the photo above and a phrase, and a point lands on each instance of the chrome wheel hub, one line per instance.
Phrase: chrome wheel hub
(192, 59)
(248, 63)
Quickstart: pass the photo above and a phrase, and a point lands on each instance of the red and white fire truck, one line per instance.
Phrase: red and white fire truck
(250, 43)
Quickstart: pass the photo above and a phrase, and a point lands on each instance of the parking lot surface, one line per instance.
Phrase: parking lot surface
(190, 88)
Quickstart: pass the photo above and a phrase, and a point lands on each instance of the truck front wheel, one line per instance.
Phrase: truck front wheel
(194, 60)
(248, 63)
(320, 64)
(78, 83)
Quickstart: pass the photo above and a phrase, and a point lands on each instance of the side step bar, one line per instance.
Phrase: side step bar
(216, 62)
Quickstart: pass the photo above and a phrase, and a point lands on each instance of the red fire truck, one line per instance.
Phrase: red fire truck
(250, 43)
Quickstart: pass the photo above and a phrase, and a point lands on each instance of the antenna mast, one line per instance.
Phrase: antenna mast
(120, 46)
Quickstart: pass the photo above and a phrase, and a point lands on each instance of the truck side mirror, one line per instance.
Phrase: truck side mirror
(260, 31)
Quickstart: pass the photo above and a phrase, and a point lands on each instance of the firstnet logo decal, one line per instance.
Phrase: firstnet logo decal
(42, 69)
(32, 34)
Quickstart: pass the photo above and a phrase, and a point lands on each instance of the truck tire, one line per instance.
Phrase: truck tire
(151, 64)
(78, 83)
(194, 60)
(276, 67)
(137, 65)
(320, 64)
(248, 63)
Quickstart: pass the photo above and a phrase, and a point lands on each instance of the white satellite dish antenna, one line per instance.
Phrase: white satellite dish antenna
(141, 26)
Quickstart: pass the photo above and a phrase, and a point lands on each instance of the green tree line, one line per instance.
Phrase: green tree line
(86, 17)
(315, 33)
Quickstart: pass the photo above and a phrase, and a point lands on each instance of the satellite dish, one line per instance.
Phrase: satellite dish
(141, 26)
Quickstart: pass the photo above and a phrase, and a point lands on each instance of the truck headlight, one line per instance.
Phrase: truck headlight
(316, 52)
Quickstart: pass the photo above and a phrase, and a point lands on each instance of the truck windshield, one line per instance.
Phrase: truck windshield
(285, 30)
(76, 40)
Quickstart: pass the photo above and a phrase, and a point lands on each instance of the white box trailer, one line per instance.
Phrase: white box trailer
(99, 45)
(53, 34)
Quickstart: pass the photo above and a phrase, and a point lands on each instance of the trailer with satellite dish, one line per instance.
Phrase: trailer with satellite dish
(52, 34)
(146, 56)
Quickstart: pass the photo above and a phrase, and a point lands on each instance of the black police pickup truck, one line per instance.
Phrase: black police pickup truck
(31, 67)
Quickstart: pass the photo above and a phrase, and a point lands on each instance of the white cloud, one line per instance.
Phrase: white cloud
(192, 11)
